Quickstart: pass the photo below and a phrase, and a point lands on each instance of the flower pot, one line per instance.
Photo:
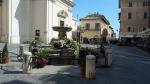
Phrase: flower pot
(82, 71)
(5, 60)
(102, 55)
(39, 62)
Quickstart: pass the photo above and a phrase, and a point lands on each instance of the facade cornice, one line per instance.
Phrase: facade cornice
(83, 19)
(95, 16)
(68, 2)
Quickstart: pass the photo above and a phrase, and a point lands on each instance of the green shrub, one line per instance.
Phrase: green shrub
(41, 53)
(5, 51)
(73, 44)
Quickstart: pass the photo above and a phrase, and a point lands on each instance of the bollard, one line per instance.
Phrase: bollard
(90, 67)
(27, 62)
(109, 57)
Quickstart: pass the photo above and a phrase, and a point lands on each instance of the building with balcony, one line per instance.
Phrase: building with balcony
(134, 18)
(95, 26)
(22, 20)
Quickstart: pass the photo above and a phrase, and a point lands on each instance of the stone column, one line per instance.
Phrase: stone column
(27, 62)
(108, 57)
(90, 67)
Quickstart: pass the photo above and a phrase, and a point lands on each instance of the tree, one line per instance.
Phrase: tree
(5, 58)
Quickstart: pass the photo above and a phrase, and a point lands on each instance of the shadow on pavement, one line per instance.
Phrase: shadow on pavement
(16, 82)
(13, 72)
(69, 75)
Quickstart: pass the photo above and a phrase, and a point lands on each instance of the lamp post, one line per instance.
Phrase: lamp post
(78, 35)
(80, 30)
(100, 36)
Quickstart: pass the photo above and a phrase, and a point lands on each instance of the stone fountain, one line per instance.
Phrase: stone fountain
(65, 55)
(62, 31)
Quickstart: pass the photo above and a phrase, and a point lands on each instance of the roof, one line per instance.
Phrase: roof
(95, 16)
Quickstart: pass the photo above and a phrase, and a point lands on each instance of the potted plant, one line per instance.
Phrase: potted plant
(82, 60)
(34, 45)
(40, 59)
(5, 58)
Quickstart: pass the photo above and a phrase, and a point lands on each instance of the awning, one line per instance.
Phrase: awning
(144, 33)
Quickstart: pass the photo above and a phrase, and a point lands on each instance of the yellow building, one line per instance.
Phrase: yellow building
(93, 27)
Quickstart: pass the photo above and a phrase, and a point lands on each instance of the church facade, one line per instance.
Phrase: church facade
(22, 20)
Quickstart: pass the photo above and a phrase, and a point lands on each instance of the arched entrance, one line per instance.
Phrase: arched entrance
(104, 35)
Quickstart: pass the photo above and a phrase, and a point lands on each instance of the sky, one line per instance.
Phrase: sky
(108, 8)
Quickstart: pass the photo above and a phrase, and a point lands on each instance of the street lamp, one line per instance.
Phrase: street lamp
(78, 35)
(100, 36)
(80, 30)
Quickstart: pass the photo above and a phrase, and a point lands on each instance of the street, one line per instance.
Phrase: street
(130, 66)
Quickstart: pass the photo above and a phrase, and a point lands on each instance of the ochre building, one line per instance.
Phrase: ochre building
(95, 26)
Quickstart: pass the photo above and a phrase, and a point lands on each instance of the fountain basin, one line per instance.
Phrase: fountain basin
(62, 31)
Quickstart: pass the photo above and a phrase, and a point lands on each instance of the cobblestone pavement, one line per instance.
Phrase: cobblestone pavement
(130, 66)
